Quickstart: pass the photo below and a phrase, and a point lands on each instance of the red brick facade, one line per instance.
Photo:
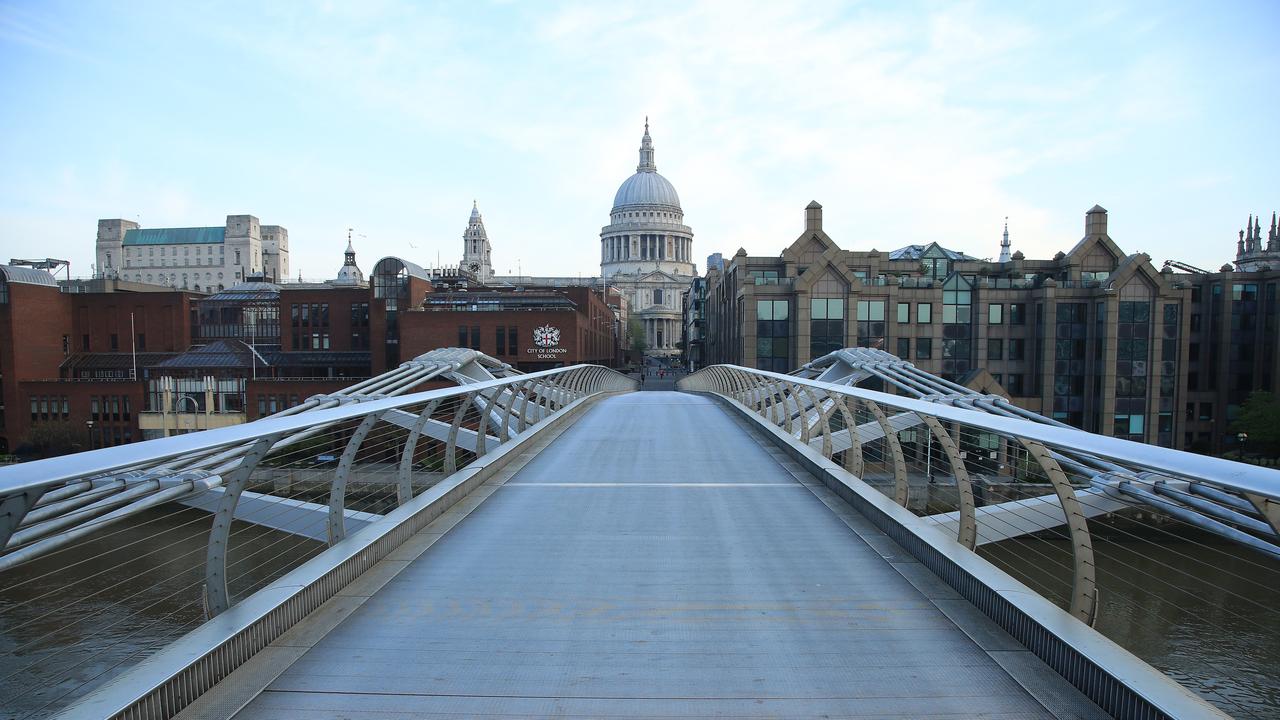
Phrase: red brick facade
(41, 327)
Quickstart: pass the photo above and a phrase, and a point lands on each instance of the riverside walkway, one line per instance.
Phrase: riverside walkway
(656, 558)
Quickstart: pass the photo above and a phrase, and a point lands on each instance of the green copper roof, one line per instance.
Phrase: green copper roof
(175, 236)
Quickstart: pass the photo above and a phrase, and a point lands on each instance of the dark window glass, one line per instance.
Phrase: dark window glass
(995, 349)
(924, 348)
(1017, 314)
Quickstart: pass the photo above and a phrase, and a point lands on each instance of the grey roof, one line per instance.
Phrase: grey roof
(27, 276)
(317, 358)
(89, 361)
(915, 252)
(176, 236)
(246, 291)
(646, 188)
(217, 354)
(413, 269)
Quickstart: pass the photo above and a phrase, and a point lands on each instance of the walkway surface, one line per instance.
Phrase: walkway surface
(657, 560)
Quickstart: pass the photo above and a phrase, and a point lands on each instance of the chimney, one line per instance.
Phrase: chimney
(1095, 221)
(813, 216)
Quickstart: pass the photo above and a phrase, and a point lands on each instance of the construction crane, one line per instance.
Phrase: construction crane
(1185, 267)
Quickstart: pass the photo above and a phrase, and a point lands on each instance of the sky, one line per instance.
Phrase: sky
(910, 122)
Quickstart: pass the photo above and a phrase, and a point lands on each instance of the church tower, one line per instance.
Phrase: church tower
(476, 249)
(350, 273)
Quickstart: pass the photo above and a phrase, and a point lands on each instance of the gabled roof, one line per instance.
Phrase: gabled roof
(175, 236)
(916, 252)
(1088, 242)
(217, 354)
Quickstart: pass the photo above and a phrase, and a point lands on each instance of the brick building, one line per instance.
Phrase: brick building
(1093, 337)
(107, 361)
(75, 356)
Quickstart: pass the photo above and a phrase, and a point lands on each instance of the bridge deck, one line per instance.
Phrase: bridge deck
(657, 560)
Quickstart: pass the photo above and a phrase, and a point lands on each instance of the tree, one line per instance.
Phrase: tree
(51, 439)
(635, 328)
(1260, 418)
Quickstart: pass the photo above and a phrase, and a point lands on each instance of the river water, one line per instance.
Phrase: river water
(72, 620)
(1191, 606)
(1201, 609)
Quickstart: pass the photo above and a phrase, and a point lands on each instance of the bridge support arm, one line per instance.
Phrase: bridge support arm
(1084, 589)
(217, 595)
(967, 534)
(901, 490)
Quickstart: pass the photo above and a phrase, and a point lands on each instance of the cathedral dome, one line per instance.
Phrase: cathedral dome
(646, 187)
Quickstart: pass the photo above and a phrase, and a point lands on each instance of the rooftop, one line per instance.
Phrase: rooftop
(175, 236)
(27, 276)
(916, 252)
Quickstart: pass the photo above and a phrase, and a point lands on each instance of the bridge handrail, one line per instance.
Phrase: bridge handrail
(51, 472)
(1240, 477)
(885, 454)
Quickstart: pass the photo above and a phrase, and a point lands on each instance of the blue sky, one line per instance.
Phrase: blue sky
(909, 122)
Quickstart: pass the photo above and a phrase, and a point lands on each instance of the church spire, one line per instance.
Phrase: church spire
(350, 273)
(1004, 243)
(646, 151)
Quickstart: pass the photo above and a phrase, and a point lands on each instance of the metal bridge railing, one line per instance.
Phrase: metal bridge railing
(1095, 524)
(112, 554)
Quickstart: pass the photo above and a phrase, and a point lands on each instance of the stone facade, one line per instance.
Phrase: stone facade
(476, 250)
(646, 251)
(202, 258)
(1093, 337)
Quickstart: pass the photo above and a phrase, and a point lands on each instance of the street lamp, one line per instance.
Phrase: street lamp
(89, 424)
(1243, 438)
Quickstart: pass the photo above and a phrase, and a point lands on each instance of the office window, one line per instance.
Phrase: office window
(1017, 313)
(995, 349)
(512, 334)
(826, 326)
(924, 313)
(1017, 349)
(904, 348)
(904, 313)
(475, 338)
(773, 335)
(462, 336)
(1014, 385)
(500, 340)
(871, 326)
(995, 314)
(115, 341)
(924, 348)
